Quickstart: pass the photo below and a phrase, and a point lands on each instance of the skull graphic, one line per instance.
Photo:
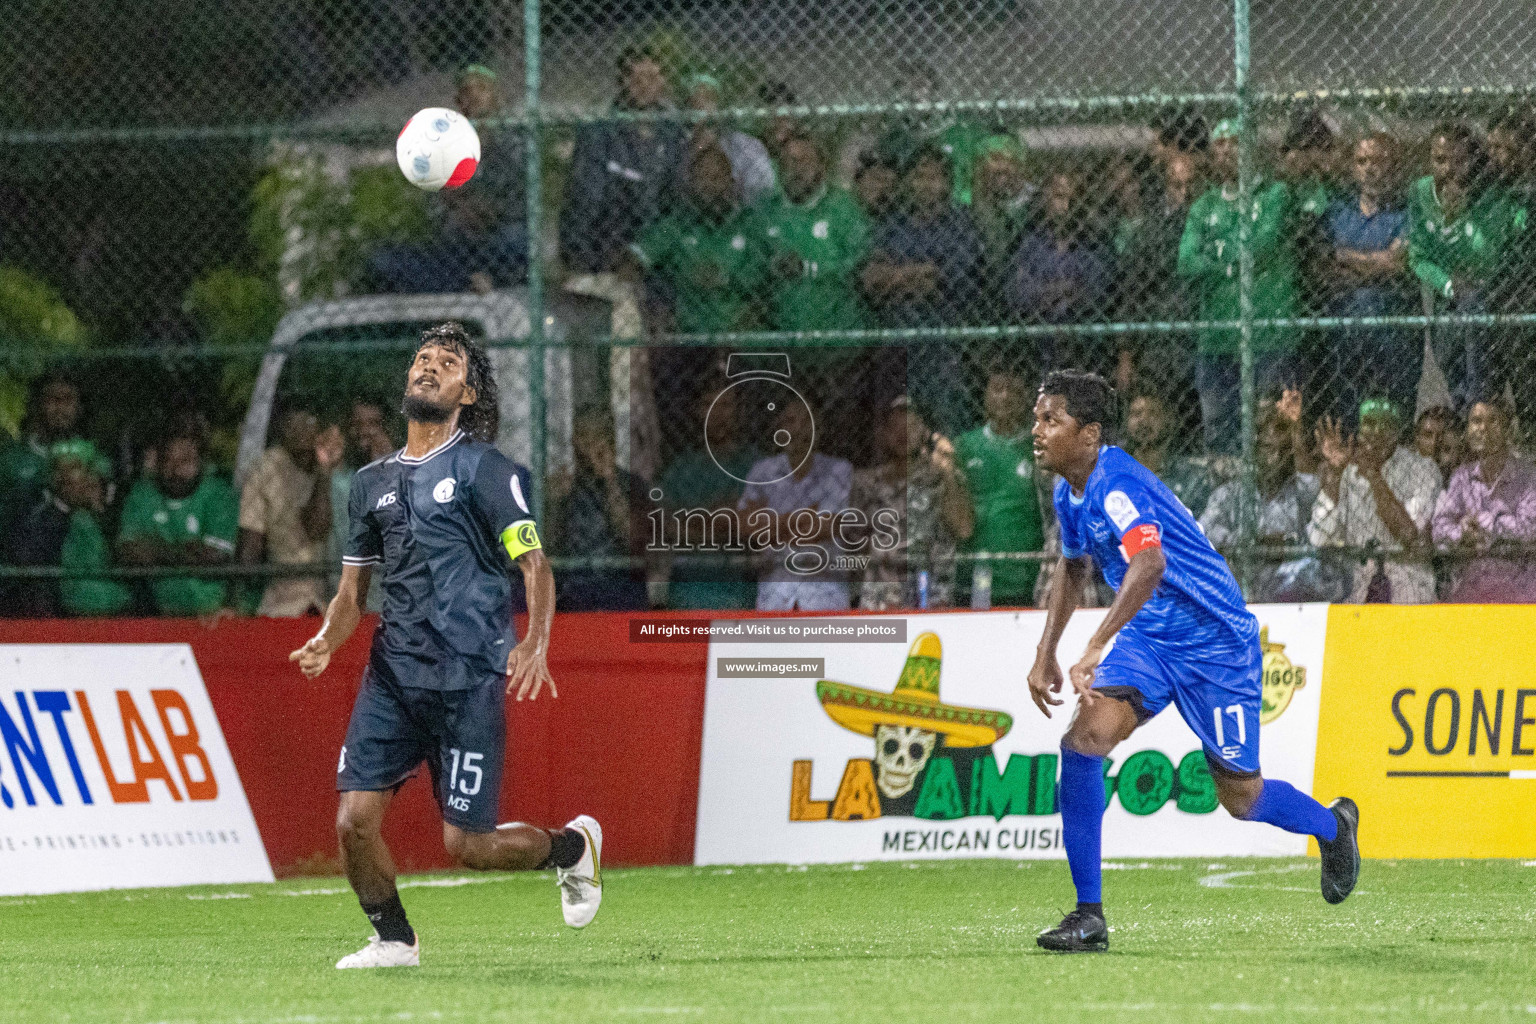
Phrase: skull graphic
(901, 751)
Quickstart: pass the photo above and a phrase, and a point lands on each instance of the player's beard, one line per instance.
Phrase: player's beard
(423, 410)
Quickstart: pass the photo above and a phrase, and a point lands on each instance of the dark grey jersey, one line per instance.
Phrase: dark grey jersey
(440, 529)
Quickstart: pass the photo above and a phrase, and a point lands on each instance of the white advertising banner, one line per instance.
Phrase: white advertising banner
(114, 773)
(932, 748)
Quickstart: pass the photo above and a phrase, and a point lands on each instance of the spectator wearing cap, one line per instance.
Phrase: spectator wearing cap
(1058, 276)
(925, 270)
(480, 229)
(182, 516)
(52, 415)
(64, 528)
(1459, 226)
(751, 167)
(917, 484)
(708, 257)
(285, 512)
(1376, 492)
(1490, 501)
(624, 173)
(1367, 232)
(1208, 258)
(816, 238)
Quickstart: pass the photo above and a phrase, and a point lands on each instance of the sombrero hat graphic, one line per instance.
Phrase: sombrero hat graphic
(915, 702)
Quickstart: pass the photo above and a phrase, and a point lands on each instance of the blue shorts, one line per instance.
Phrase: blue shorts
(460, 734)
(1217, 697)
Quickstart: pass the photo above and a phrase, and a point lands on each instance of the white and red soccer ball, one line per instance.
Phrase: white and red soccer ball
(438, 148)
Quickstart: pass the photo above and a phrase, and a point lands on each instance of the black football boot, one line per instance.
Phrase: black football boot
(1082, 931)
(1341, 855)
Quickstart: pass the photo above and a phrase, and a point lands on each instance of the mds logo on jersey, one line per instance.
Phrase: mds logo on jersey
(61, 747)
(935, 760)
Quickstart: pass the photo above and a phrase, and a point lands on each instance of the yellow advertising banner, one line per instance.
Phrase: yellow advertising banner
(1428, 721)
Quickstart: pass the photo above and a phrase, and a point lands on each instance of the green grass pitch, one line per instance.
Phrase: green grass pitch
(1242, 940)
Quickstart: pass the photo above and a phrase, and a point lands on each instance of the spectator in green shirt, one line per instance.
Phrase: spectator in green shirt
(53, 415)
(998, 463)
(1208, 258)
(958, 137)
(182, 516)
(709, 256)
(64, 529)
(1512, 151)
(817, 237)
(1002, 203)
(1458, 226)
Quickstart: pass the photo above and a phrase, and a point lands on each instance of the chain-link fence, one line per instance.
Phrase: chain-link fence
(786, 257)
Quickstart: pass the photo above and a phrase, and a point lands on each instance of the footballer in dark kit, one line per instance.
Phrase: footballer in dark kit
(445, 520)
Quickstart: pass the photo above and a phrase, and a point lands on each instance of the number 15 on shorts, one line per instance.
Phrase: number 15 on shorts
(460, 786)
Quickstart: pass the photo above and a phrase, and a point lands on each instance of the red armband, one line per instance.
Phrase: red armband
(1138, 538)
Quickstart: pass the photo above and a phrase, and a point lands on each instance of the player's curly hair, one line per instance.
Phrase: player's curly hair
(1089, 397)
(481, 419)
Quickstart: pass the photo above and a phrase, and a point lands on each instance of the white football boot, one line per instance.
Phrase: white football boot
(379, 953)
(581, 887)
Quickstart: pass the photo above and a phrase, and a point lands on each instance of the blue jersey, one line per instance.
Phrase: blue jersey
(434, 525)
(1198, 605)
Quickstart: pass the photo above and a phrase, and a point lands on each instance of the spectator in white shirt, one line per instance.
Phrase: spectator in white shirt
(798, 493)
(1377, 491)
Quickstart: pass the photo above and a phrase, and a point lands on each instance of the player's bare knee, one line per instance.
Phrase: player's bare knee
(1099, 727)
(356, 824)
(1238, 795)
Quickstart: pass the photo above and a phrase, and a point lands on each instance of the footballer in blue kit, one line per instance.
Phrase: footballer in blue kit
(445, 520)
(1178, 632)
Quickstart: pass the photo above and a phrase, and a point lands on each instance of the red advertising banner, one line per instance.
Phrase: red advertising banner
(621, 742)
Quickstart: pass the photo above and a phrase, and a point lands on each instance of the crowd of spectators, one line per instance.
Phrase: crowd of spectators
(1399, 447)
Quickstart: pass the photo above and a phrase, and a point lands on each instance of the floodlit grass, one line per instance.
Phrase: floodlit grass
(1247, 940)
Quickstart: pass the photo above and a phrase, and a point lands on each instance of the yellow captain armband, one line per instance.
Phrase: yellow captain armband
(520, 538)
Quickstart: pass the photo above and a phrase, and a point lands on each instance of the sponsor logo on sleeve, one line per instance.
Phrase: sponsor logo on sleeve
(1120, 509)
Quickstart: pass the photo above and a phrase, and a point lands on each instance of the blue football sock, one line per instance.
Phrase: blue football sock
(1082, 820)
(1284, 806)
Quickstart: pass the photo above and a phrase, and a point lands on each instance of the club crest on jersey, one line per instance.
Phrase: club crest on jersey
(443, 492)
(1120, 509)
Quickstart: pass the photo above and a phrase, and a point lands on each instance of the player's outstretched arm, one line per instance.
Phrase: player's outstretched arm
(528, 664)
(1142, 576)
(341, 618)
(1066, 594)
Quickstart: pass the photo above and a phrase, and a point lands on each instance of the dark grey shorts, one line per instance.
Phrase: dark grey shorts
(460, 734)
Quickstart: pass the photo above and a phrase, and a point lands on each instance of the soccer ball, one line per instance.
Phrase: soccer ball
(438, 148)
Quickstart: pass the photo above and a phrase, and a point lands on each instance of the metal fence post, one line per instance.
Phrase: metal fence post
(1248, 523)
(537, 405)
